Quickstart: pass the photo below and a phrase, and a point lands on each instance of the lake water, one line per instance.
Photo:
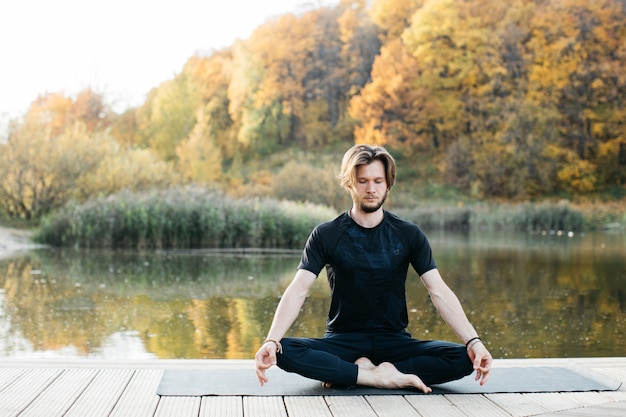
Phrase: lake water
(528, 296)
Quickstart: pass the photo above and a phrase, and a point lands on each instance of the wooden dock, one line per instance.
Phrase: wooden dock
(88, 388)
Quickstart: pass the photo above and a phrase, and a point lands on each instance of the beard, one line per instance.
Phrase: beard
(366, 207)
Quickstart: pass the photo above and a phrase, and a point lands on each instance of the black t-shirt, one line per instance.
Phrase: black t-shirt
(367, 270)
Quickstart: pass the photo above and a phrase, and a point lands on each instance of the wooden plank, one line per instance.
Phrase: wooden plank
(8, 376)
(59, 396)
(476, 405)
(614, 395)
(391, 406)
(587, 398)
(434, 406)
(617, 409)
(221, 407)
(178, 407)
(102, 394)
(17, 396)
(139, 398)
(264, 407)
(307, 407)
(517, 404)
(349, 406)
(555, 401)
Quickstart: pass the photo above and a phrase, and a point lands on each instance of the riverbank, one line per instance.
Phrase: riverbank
(13, 241)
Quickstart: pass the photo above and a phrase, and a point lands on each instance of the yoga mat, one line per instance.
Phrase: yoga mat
(196, 382)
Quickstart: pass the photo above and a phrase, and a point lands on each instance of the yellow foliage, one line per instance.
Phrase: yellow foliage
(393, 16)
(381, 108)
(133, 169)
(199, 159)
(578, 176)
(40, 172)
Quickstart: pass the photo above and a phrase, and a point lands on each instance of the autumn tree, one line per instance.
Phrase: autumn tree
(387, 108)
(393, 16)
(61, 151)
(38, 171)
(293, 77)
(275, 111)
(48, 150)
(578, 68)
(504, 153)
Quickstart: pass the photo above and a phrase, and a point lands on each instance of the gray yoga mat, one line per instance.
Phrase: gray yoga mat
(196, 382)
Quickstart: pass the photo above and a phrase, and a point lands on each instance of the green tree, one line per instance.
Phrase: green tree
(199, 157)
(168, 115)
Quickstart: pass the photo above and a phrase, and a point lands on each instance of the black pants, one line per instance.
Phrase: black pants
(331, 358)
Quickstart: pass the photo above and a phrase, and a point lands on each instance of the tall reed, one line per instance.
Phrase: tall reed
(523, 217)
(180, 218)
(527, 217)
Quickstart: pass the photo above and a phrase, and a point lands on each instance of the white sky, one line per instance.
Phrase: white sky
(121, 48)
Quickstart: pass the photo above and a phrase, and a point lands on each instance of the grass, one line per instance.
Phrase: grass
(181, 218)
(523, 217)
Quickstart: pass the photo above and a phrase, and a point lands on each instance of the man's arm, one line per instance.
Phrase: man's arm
(286, 313)
(450, 309)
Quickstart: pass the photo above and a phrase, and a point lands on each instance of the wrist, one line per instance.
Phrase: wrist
(473, 341)
(279, 347)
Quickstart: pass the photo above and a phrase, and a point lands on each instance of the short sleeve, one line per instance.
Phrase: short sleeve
(422, 254)
(313, 258)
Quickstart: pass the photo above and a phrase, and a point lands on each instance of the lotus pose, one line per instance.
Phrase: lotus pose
(366, 252)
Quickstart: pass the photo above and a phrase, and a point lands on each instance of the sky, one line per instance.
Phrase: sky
(120, 48)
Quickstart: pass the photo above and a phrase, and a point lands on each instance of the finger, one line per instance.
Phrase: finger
(485, 377)
(261, 376)
(482, 374)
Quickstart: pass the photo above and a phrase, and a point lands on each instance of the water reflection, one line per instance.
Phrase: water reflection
(529, 296)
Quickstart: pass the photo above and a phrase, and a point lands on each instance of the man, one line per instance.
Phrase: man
(366, 252)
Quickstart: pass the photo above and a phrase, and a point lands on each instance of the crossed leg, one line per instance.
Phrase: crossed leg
(337, 361)
(386, 376)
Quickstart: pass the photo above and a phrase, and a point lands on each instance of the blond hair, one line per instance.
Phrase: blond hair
(363, 155)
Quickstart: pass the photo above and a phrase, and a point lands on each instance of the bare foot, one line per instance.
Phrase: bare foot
(387, 376)
(365, 363)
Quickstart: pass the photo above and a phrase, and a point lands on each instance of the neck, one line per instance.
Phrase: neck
(364, 219)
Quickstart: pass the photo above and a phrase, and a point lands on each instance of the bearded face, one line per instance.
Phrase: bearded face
(370, 191)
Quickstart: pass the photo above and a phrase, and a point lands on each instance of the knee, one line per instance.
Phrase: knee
(458, 358)
(467, 364)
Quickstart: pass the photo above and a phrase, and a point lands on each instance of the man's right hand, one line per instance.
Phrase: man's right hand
(265, 358)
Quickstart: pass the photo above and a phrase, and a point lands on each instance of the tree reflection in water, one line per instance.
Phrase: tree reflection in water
(528, 296)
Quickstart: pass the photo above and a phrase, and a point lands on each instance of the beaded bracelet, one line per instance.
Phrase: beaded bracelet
(279, 347)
